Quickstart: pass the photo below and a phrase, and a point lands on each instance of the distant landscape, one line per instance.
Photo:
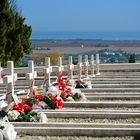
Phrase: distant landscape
(80, 46)
(110, 51)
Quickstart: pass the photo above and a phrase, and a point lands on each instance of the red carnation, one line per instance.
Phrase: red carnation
(63, 94)
(39, 96)
(59, 103)
(26, 107)
(79, 81)
(24, 99)
(19, 108)
(52, 96)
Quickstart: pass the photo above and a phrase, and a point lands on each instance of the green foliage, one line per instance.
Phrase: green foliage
(14, 34)
(132, 58)
(75, 96)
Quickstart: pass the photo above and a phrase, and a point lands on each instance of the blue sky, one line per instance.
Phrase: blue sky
(81, 15)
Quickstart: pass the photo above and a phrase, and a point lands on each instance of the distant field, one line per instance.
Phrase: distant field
(74, 46)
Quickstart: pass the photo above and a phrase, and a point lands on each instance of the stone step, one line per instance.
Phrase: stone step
(119, 73)
(115, 85)
(114, 79)
(98, 110)
(117, 76)
(95, 85)
(119, 94)
(115, 82)
(114, 97)
(93, 90)
(93, 114)
(77, 131)
(81, 125)
(94, 81)
(93, 104)
(24, 137)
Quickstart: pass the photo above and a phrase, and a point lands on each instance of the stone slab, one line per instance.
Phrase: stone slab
(75, 131)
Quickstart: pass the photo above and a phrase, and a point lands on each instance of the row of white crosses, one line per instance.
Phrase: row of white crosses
(12, 77)
(86, 65)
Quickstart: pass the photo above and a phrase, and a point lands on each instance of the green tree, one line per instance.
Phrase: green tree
(132, 58)
(14, 34)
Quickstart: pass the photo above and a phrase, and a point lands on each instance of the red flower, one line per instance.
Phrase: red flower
(52, 96)
(19, 108)
(59, 103)
(24, 99)
(79, 81)
(39, 96)
(68, 91)
(63, 94)
(26, 107)
(55, 84)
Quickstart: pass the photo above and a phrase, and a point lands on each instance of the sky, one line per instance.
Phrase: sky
(81, 15)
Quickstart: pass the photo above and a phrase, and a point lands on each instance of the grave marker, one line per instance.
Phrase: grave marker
(79, 67)
(92, 65)
(60, 67)
(86, 64)
(10, 79)
(70, 68)
(31, 77)
(47, 71)
(97, 64)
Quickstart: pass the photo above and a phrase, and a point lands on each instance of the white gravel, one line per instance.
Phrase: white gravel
(92, 120)
(72, 138)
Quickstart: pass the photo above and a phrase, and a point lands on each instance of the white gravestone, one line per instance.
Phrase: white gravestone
(60, 67)
(79, 67)
(86, 64)
(97, 64)
(70, 68)
(31, 77)
(47, 71)
(92, 65)
(10, 79)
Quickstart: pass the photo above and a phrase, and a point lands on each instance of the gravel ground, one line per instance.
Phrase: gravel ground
(92, 120)
(72, 138)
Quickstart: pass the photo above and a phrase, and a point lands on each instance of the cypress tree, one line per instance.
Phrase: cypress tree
(14, 34)
(132, 58)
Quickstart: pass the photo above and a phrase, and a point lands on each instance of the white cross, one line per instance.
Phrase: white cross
(70, 68)
(86, 64)
(92, 65)
(60, 67)
(97, 64)
(31, 77)
(10, 79)
(79, 67)
(47, 71)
